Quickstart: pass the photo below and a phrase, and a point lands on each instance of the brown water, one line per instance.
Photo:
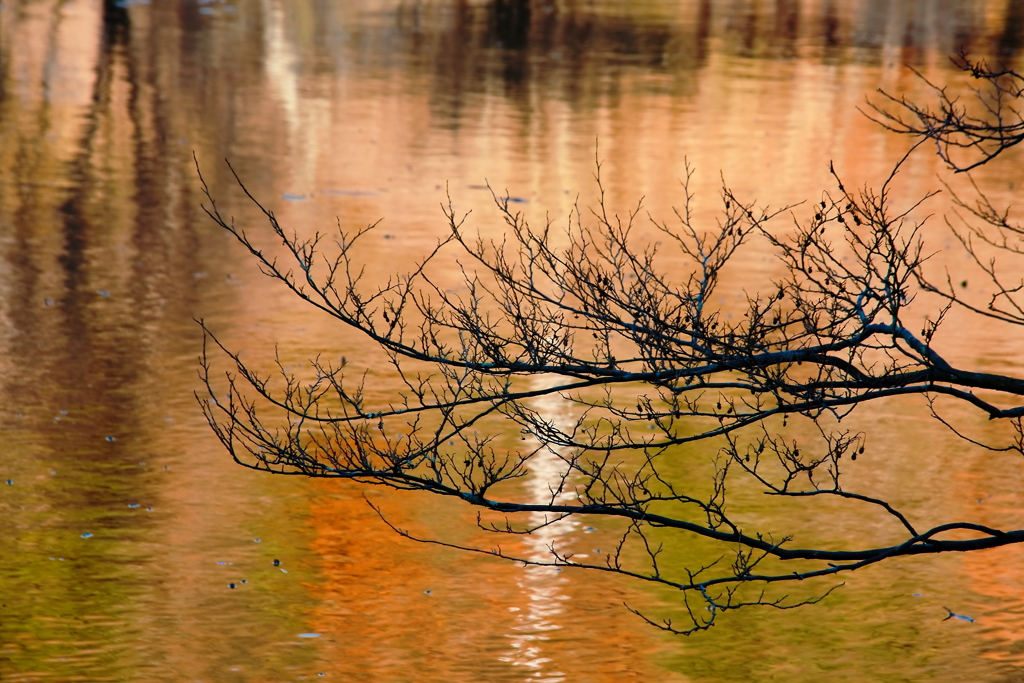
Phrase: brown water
(353, 111)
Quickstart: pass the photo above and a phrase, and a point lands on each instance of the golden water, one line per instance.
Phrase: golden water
(359, 110)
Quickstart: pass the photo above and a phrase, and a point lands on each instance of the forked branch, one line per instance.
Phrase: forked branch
(648, 372)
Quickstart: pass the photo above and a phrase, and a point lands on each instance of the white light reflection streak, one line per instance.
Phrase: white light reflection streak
(306, 115)
(542, 585)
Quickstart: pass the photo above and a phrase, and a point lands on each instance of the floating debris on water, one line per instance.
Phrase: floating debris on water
(10, 482)
(133, 505)
(86, 535)
(256, 540)
(428, 592)
(309, 635)
(284, 571)
(110, 438)
(245, 581)
(231, 585)
(952, 615)
(277, 563)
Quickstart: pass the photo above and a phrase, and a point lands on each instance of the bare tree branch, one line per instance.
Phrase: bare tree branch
(644, 365)
(966, 134)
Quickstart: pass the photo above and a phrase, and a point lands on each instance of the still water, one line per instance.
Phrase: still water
(124, 522)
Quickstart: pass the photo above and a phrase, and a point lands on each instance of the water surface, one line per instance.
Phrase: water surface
(125, 522)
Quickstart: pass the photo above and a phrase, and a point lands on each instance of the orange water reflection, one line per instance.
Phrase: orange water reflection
(363, 110)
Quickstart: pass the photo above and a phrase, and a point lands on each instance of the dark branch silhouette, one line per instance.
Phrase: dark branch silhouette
(648, 374)
(966, 134)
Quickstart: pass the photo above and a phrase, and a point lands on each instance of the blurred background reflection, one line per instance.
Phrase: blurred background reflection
(123, 522)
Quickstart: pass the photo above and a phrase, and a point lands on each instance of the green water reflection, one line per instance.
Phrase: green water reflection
(362, 110)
